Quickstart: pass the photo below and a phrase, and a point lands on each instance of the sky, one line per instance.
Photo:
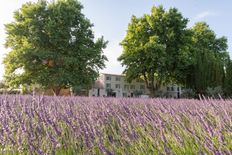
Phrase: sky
(111, 18)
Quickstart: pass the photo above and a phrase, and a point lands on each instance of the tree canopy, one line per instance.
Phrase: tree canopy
(155, 47)
(159, 48)
(228, 80)
(52, 44)
(210, 59)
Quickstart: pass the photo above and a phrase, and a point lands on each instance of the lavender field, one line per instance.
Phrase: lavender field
(82, 125)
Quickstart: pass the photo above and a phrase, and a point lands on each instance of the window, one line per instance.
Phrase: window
(132, 87)
(168, 88)
(178, 88)
(117, 86)
(118, 78)
(172, 88)
(108, 78)
(126, 87)
(142, 87)
(108, 85)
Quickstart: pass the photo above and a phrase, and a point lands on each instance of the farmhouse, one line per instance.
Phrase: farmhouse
(116, 86)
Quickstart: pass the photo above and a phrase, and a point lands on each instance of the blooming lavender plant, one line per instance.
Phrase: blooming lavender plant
(88, 125)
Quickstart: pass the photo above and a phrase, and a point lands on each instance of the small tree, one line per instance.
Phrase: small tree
(53, 45)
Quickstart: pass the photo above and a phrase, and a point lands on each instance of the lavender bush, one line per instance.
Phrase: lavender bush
(82, 125)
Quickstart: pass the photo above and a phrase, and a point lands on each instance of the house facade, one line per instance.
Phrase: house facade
(116, 86)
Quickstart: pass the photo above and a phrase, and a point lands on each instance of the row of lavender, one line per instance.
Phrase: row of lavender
(79, 125)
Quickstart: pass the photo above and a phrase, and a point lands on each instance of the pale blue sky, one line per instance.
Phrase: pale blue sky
(111, 17)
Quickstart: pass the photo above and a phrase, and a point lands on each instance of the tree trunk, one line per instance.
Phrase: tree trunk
(152, 92)
(150, 85)
(153, 88)
(56, 91)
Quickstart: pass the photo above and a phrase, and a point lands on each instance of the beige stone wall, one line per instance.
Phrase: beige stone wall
(122, 91)
(118, 80)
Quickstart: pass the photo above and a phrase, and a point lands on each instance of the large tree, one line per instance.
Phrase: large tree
(209, 59)
(155, 47)
(53, 45)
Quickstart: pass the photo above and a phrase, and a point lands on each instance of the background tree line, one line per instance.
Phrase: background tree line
(52, 44)
(159, 48)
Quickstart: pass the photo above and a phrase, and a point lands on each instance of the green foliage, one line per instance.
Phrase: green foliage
(159, 48)
(209, 59)
(155, 47)
(3, 85)
(228, 80)
(79, 91)
(214, 92)
(188, 93)
(53, 45)
(138, 93)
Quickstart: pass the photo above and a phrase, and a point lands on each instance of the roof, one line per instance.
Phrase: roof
(113, 74)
